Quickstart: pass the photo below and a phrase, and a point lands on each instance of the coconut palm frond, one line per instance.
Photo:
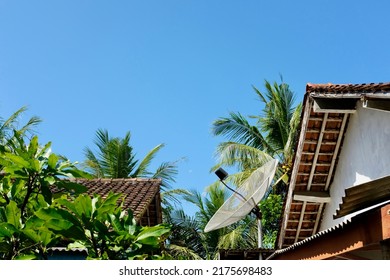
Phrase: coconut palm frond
(92, 164)
(114, 157)
(294, 125)
(183, 252)
(13, 119)
(249, 146)
(10, 126)
(171, 198)
(241, 155)
(238, 237)
(167, 172)
(28, 127)
(142, 169)
(237, 129)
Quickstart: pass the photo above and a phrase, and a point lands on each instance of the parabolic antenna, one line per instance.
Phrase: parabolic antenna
(244, 199)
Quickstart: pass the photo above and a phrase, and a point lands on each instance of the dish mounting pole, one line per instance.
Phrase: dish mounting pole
(257, 212)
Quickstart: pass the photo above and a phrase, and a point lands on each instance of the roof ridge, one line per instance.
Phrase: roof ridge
(115, 179)
(348, 87)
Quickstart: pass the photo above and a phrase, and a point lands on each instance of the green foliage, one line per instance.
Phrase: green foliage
(106, 231)
(249, 146)
(271, 209)
(189, 239)
(186, 240)
(28, 172)
(41, 207)
(115, 158)
(9, 126)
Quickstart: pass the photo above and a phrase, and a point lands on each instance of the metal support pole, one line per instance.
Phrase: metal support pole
(259, 237)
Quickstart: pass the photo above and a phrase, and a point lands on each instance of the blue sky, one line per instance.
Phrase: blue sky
(165, 70)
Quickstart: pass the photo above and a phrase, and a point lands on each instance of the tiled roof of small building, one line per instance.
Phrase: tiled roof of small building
(139, 194)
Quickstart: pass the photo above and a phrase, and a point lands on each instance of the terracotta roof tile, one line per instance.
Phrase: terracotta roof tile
(138, 193)
(349, 88)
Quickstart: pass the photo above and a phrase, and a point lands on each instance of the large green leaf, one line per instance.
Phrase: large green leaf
(26, 257)
(155, 231)
(70, 171)
(32, 234)
(35, 165)
(13, 214)
(45, 151)
(76, 245)
(46, 192)
(38, 202)
(116, 224)
(107, 205)
(77, 173)
(74, 233)
(131, 228)
(34, 223)
(52, 161)
(101, 228)
(49, 180)
(151, 241)
(71, 186)
(83, 206)
(63, 201)
(33, 146)
(58, 224)
(60, 216)
(61, 222)
(17, 188)
(17, 161)
(7, 230)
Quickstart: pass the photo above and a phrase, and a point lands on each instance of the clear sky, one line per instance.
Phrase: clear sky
(166, 69)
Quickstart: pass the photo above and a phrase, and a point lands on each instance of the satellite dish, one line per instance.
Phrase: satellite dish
(244, 199)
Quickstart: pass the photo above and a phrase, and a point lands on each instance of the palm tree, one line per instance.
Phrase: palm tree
(189, 239)
(250, 146)
(186, 240)
(115, 158)
(10, 126)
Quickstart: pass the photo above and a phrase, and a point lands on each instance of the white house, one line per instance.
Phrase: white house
(338, 202)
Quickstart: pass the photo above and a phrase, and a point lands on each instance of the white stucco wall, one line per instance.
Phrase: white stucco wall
(365, 155)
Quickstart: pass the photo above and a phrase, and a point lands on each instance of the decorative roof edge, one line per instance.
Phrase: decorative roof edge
(348, 88)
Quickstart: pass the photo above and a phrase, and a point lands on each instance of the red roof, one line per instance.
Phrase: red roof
(348, 88)
(142, 196)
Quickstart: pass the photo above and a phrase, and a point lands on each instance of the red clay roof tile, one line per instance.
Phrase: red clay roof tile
(138, 193)
(348, 88)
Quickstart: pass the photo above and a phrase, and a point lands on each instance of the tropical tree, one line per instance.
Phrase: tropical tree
(9, 126)
(41, 208)
(104, 229)
(272, 136)
(186, 240)
(115, 158)
(28, 174)
(194, 243)
(249, 146)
